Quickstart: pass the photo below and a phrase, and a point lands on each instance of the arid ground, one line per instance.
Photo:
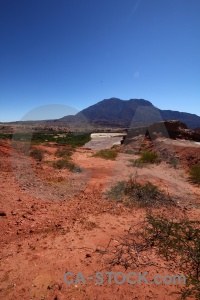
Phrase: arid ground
(54, 221)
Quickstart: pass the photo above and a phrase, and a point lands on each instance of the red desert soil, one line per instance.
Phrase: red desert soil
(62, 222)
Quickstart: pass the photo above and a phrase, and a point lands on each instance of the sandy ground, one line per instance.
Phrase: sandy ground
(57, 222)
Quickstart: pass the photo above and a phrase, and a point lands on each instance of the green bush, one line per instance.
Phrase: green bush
(178, 242)
(64, 152)
(38, 154)
(148, 157)
(136, 163)
(133, 193)
(64, 163)
(175, 243)
(117, 191)
(145, 195)
(107, 154)
(194, 173)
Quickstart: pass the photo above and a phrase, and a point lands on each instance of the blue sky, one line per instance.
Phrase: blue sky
(79, 52)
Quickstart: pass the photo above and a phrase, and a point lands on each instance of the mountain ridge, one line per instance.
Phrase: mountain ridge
(115, 113)
(132, 112)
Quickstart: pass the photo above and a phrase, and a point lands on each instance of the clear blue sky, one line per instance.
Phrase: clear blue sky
(79, 52)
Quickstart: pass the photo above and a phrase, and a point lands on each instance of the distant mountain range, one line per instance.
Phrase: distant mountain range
(115, 112)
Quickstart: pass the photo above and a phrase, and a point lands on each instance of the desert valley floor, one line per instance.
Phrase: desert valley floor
(58, 221)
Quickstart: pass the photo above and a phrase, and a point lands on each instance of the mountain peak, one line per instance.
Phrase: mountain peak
(115, 112)
(141, 101)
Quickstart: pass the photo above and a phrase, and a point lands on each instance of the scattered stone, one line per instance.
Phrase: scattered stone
(87, 255)
(2, 214)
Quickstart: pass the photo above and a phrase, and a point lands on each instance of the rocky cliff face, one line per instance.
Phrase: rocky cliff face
(170, 129)
(174, 130)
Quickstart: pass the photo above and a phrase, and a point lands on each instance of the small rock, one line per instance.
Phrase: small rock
(2, 214)
(88, 255)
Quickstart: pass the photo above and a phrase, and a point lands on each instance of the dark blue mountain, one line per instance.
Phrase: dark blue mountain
(125, 113)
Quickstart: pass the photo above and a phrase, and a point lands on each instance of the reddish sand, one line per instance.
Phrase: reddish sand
(61, 222)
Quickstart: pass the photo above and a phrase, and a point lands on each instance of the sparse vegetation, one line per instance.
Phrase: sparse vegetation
(174, 162)
(176, 242)
(117, 191)
(64, 152)
(136, 163)
(148, 157)
(107, 154)
(133, 193)
(194, 173)
(145, 195)
(38, 154)
(157, 241)
(129, 152)
(64, 163)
